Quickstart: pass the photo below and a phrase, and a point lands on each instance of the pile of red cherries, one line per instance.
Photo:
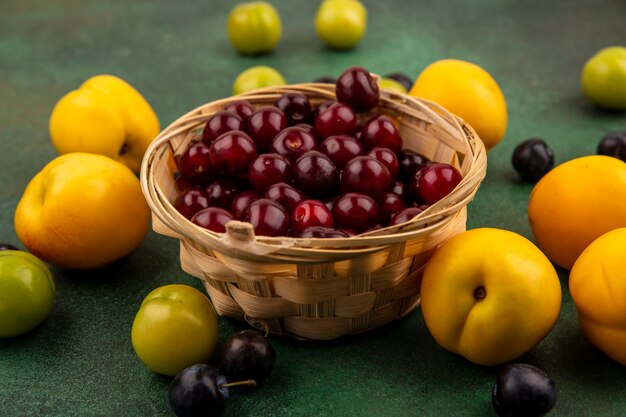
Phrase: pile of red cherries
(294, 169)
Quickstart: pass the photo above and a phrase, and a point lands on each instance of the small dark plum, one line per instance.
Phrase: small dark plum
(316, 175)
(198, 391)
(338, 119)
(264, 124)
(247, 355)
(221, 192)
(409, 162)
(268, 218)
(241, 108)
(341, 149)
(268, 169)
(213, 219)
(232, 153)
(523, 390)
(285, 195)
(220, 123)
(613, 144)
(532, 159)
(191, 201)
(356, 211)
(437, 181)
(379, 131)
(310, 213)
(402, 79)
(405, 215)
(323, 233)
(292, 142)
(357, 88)
(240, 204)
(195, 164)
(387, 157)
(296, 107)
(7, 246)
(367, 175)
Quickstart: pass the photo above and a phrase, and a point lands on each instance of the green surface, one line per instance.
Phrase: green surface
(80, 362)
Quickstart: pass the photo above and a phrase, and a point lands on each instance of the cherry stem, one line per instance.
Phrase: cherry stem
(248, 382)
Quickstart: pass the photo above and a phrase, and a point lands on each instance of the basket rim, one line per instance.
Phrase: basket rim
(436, 216)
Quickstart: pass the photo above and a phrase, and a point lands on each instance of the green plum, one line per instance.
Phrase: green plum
(26, 292)
(341, 24)
(257, 77)
(604, 78)
(254, 28)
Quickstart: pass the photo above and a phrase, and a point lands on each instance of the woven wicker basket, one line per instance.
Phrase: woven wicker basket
(318, 288)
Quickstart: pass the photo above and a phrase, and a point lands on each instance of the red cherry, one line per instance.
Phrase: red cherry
(409, 162)
(405, 215)
(437, 181)
(341, 149)
(380, 132)
(310, 213)
(195, 164)
(387, 157)
(357, 88)
(264, 124)
(212, 218)
(232, 153)
(356, 211)
(296, 107)
(220, 123)
(315, 174)
(241, 202)
(221, 192)
(390, 204)
(367, 175)
(413, 187)
(323, 232)
(268, 218)
(292, 142)
(191, 201)
(268, 169)
(401, 190)
(241, 108)
(338, 119)
(285, 195)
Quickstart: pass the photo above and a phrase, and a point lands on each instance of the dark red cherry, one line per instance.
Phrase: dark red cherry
(389, 205)
(356, 88)
(268, 169)
(241, 202)
(292, 142)
(316, 175)
(232, 153)
(264, 124)
(387, 157)
(356, 211)
(310, 213)
(191, 201)
(221, 192)
(367, 175)
(212, 218)
(338, 119)
(437, 181)
(323, 232)
(220, 123)
(296, 107)
(195, 164)
(321, 108)
(268, 218)
(285, 195)
(341, 149)
(308, 129)
(409, 162)
(413, 185)
(405, 215)
(380, 132)
(241, 108)
(401, 190)
(330, 202)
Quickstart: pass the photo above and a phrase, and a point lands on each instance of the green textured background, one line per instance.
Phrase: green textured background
(80, 362)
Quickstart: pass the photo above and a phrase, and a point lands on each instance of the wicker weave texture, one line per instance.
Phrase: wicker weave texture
(318, 288)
